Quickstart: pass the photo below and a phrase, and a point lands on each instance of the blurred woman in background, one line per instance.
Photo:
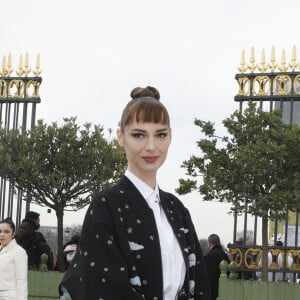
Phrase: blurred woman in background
(13, 264)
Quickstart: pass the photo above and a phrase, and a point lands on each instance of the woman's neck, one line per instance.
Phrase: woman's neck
(148, 178)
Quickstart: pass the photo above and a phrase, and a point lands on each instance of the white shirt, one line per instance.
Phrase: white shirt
(172, 259)
(13, 270)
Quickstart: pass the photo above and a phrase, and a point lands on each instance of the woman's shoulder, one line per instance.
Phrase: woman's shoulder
(110, 194)
(115, 193)
(19, 250)
(104, 201)
(171, 199)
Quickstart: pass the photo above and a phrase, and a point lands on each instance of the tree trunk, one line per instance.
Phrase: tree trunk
(60, 225)
(264, 273)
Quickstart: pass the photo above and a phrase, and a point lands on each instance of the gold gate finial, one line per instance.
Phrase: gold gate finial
(294, 64)
(37, 71)
(20, 70)
(3, 70)
(272, 65)
(9, 68)
(242, 67)
(252, 65)
(26, 65)
(283, 67)
(262, 67)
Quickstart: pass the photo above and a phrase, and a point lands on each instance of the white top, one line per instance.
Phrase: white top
(13, 270)
(172, 259)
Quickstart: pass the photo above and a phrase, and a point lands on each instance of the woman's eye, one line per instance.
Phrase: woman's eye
(162, 134)
(138, 135)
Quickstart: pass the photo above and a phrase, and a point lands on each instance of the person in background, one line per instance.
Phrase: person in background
(213, 258)
(35, 216)
(34, 245)
(138, 242)
(13, 264)
(69, 250)
(69, 253)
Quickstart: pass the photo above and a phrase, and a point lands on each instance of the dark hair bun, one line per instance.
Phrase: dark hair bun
(148, 91)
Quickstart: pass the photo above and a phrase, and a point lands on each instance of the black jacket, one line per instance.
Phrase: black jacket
(106, 268)
(213, 259)
(35, 247)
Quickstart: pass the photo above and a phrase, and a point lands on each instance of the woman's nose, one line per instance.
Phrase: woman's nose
(150, 143)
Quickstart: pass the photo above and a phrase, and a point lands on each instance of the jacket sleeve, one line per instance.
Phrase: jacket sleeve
(202, 282)
(99, 270)
(21, 270)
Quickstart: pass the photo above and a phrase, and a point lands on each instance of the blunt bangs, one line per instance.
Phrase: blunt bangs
(145, 110)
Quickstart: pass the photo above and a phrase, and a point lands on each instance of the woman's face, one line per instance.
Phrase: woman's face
(6, 234)
(146, 146)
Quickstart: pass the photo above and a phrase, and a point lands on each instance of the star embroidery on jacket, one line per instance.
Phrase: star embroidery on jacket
(121, 192)
(105, 269)
(122, 269)
(103, 199)
(109, 242)
(151, 237)
(184, 230)
(129, 230)
(138, 221)
(126, 206)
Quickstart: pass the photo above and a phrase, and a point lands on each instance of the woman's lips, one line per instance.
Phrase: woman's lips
(150, 159)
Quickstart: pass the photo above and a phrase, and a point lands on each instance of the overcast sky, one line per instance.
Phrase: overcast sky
(93, 52)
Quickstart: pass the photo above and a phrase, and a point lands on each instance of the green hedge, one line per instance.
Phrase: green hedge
(43, 285)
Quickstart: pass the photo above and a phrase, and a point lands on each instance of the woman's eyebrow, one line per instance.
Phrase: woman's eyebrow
(138, 130)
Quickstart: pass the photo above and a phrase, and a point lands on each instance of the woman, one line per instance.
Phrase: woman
(13, 264)
(138, 242)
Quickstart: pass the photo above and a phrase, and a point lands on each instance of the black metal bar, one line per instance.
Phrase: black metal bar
(245, 242)
(291, 111)
(255, 231)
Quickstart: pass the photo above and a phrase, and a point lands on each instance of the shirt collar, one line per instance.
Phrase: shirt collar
(146, 191)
